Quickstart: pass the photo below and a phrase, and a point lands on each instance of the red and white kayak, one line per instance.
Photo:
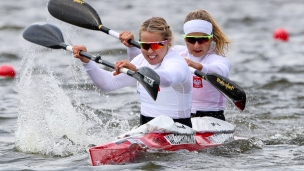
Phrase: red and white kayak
(162, 133)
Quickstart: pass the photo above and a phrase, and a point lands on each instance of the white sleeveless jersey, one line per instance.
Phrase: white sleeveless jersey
(175, 94)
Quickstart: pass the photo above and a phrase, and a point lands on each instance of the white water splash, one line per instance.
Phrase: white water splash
(48, 123)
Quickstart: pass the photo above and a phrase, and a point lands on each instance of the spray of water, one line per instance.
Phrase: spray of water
(49, 123)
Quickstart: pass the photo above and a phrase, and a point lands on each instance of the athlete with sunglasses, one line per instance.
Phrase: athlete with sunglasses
(205, 50)
(175, 93)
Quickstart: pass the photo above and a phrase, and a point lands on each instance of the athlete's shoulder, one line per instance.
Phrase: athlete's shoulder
(173, 55)
(213, 57)
(181, 50)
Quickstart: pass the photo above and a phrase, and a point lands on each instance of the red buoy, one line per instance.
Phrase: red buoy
(281, 34)
(7, 71)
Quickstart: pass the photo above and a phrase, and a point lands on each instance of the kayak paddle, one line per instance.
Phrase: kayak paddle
(79, 13)
(50, 36)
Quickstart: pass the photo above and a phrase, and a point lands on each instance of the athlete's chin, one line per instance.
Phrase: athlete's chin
(153, 61)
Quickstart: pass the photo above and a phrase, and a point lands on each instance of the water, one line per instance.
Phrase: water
(51, 112)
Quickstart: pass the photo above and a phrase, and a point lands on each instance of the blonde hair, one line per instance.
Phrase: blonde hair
(157, 25)
(221, 40)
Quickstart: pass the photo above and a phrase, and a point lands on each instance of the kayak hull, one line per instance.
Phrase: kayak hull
(129, 149)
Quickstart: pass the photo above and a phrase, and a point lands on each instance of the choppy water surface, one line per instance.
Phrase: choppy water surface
(51, 112)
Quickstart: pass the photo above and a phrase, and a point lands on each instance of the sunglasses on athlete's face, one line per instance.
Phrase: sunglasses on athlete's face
(199, 39)
(153, 45)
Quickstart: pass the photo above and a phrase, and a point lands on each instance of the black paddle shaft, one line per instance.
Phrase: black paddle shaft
(98, 59)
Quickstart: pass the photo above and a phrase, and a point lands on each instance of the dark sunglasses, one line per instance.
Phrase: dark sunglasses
(153, 45)
(199, 39)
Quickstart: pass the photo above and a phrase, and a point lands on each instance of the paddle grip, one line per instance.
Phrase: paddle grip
(116, 35)
(134, 43)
